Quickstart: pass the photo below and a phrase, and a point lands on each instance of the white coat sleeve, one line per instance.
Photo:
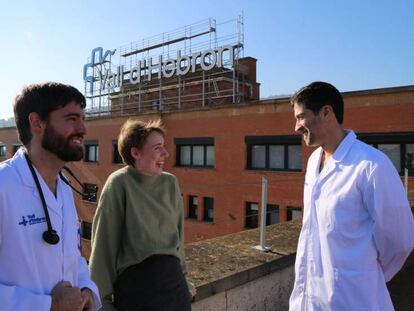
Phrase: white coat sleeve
(84, 280)
(393, 231)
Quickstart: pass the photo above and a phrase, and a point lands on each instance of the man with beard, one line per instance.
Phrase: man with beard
(41, 266)
(357, 228)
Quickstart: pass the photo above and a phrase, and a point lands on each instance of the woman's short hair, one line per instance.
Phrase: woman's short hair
(134, 133)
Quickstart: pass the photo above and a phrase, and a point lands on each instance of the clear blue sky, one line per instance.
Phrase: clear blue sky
(354, 44)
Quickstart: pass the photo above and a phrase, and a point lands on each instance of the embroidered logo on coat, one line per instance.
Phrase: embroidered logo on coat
(31, 220)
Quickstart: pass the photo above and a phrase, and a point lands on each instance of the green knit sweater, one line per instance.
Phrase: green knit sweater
(137, 216)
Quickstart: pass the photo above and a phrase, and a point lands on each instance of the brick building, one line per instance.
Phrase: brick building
(222, 139)
(219, 155)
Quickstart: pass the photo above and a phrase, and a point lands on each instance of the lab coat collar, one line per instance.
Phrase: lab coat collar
(337, 157)
(344, 146)
(20, 163)
(54, 204)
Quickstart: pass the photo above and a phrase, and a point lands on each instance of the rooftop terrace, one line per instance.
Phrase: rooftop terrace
(231, 275)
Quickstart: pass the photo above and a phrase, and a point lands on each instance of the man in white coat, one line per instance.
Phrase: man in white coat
(40, 263)
(357, 228)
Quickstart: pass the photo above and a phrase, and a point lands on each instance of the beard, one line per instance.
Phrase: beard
(61, 145)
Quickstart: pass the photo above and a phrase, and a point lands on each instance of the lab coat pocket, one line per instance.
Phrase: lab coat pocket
(340, 213)
(349, 215)
(326, 210)
(355, 290)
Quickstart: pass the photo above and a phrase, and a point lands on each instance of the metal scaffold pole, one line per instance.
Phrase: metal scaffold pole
(262, 247)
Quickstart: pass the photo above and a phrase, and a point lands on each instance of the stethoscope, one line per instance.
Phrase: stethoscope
(50, 236)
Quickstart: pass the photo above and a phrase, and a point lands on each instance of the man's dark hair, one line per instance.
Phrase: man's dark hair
(42, 99)
(318, 94)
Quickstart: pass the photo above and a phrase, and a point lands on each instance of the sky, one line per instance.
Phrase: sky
(353, 44)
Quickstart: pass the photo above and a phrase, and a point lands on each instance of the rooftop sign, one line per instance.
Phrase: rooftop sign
(99, 68)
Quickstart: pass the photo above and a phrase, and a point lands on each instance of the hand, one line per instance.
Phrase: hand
(67, 298)
(87, 294)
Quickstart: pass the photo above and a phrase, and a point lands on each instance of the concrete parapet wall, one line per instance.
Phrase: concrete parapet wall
(230, 274)
(270, 292)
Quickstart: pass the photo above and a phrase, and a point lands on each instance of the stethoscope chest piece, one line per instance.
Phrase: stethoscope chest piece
(51, 237)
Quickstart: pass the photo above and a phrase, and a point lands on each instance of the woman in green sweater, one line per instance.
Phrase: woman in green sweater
(137, 257)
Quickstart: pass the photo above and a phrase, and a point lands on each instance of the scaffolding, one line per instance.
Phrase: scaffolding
(109, 88)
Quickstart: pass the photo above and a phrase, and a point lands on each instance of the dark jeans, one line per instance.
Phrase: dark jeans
(156, 284)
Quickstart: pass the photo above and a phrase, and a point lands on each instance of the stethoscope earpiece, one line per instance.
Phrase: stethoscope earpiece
(51, 237)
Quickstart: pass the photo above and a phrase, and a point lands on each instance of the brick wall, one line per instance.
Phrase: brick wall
(229, 182)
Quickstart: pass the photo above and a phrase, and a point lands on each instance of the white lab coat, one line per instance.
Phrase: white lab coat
(29, 267)
(357, 231)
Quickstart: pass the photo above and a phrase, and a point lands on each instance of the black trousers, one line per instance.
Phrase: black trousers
(156, 284)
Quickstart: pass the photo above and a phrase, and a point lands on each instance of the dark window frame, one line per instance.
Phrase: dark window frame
(267, 141)
(86, 230)
(116, 156)
(398, 138)
(192, 208)
(269, 212)
(207, 207)
(194, 142)
(251, 217)
(289, 210)
(88, 144)
(16, 147)
(3, 150)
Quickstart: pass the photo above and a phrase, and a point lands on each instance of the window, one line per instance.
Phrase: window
(409, 158)
(16, 147)
(208, 209)
(86, 230)
(116, 157)
(281, 153)
(195, 152)
(393, 151)
(399, 147)
(252, 215)
(272, 214)
(91, 151)
(192, 207)
(2, 150)
(89, 192)
(293, 213)
(258, 156)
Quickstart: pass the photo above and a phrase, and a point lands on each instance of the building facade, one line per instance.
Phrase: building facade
(220, 154)
(221, 138)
